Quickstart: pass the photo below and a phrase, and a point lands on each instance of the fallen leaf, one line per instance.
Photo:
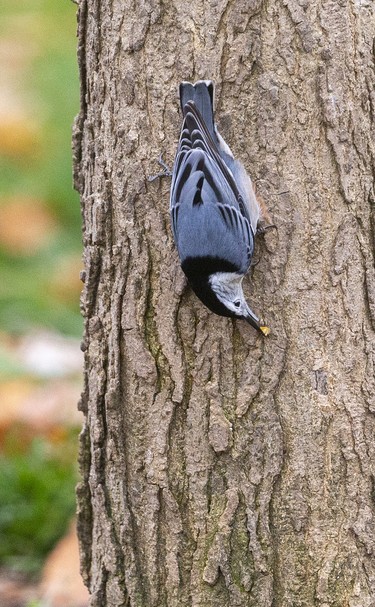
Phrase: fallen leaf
(61, 584)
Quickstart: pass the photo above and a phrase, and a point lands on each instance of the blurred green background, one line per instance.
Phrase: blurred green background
(40, 261)
(40, 220)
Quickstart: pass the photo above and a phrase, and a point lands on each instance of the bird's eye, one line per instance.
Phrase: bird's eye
(237, 304)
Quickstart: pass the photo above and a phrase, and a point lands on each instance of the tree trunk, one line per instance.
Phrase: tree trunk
(220, 468)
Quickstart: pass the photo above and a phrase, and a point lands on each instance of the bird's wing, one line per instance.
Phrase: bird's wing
(239, 224)
(201, 176)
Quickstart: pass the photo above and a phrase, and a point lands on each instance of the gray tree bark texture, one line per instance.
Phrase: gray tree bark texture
(220, 468)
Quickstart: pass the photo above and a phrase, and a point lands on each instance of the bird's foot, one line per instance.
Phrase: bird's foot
(165, 172)
(263, 229)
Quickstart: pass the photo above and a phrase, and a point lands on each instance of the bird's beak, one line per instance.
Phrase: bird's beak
(256, 323)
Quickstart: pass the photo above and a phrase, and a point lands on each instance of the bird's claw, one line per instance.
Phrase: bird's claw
(166, 172)
(263, 229)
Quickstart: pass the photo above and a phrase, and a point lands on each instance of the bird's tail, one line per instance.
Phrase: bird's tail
(202, 94)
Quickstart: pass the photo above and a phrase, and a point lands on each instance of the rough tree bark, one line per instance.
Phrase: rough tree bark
(220, 468)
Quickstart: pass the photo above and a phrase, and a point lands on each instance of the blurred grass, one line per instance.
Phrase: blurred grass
(40, 251)
(36, 499)
(38, 102)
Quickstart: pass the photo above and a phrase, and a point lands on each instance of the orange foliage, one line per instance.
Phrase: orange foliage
(18, 136)
(66, 284)
(25, 225)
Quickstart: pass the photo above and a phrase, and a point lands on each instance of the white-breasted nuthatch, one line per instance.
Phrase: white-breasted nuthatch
(213, 208)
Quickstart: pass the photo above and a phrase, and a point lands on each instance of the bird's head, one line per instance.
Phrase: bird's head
(218, 285)
(227, 287)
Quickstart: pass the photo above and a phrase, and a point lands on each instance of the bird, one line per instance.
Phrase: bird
(213, 208)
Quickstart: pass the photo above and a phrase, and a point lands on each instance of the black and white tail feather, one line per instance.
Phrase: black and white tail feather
(214, 210)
